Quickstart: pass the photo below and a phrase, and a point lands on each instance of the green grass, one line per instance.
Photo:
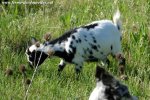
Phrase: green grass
(18, 23)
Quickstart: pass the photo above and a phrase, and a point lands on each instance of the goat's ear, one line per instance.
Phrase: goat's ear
(47, 36)
(37, 44)
(33, 40)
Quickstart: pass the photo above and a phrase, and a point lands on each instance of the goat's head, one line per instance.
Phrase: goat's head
(105, 77)
(114, 89)
(35, 54)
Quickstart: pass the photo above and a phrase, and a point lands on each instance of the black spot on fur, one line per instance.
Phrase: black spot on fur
(45, 43)
(66, 56)
(90, 26)
(71, 42)
(85, 39)
(79, 40)
(85, 36)
(92, 59)
(120, 38)
(90, 51)
(94, 47)
(118, 27)
(94, 41)
(64, 36)
(102, 53)
(111, 47)
(73, 37)
(70, 46)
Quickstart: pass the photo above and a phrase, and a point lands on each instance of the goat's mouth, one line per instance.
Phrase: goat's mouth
(36, 59)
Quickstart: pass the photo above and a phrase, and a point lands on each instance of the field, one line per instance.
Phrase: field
(20, 22)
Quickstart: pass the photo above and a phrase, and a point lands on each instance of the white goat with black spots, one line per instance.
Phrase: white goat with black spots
(92, 42)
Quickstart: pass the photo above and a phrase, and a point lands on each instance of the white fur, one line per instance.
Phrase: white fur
(99, 92)
(34, 47)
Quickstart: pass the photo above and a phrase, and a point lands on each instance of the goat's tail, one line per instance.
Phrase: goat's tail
(117, 20)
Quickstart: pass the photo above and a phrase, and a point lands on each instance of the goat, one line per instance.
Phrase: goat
(91, 42)
(108, 88)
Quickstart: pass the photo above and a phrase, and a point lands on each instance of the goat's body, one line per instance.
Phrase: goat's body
(94, 41)
(91, 42)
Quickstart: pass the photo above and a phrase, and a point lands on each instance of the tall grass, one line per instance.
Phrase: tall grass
(18, 23)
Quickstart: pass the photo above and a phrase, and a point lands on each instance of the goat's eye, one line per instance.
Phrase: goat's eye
(28, 52)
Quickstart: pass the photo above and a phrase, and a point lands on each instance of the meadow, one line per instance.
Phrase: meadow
(20, 22)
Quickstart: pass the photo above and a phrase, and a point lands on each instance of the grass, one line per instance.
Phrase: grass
(18, 23)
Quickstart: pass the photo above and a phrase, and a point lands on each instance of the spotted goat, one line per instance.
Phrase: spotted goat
(91, 42)
(109, 88)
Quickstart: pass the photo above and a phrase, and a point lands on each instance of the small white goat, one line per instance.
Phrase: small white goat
(108, 88)
(91, 42)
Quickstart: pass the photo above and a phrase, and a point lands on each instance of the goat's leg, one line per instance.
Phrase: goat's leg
(78, 69)
(105, 62)
(122, 62)
(61, 66)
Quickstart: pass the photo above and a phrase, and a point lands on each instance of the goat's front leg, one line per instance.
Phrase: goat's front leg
(78, 69)
(61, 66)
(122, 62)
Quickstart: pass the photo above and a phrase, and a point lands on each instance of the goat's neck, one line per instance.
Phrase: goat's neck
(54, 47)
(59, 51)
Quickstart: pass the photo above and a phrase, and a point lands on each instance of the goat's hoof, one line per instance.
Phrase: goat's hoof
(124, 77)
